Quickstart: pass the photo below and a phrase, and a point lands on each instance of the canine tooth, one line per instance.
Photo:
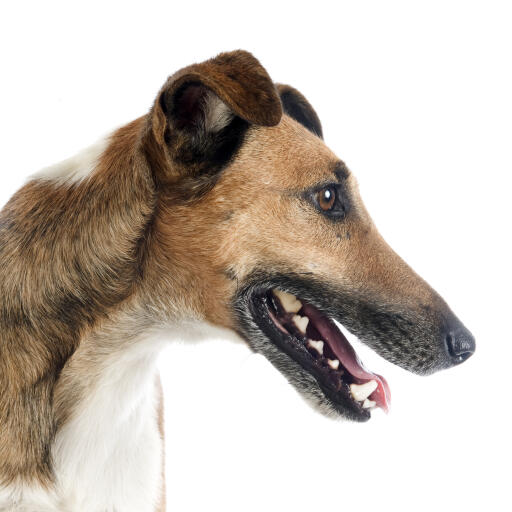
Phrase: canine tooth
(289, 302)
(333, 363)
(317, 345)
(362, 391)
(301, 322)
(368, 404)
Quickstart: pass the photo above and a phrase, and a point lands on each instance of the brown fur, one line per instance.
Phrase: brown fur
(71, 255)
(238, 79)
(63, 267)
(132, 241)
(233, 227)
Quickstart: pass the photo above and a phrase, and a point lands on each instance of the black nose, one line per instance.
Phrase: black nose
(460, 344)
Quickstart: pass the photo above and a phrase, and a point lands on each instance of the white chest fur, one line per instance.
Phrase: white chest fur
(108, 456)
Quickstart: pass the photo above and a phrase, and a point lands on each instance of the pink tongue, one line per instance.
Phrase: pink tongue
(348, 357)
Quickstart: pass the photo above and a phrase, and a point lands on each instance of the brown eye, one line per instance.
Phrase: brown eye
(326, 198)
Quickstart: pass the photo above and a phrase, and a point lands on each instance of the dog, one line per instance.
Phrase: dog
(222, 208)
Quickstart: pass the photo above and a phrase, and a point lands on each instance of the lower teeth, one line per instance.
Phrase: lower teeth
(333, 363)
(368, 404)
(292, 305)
(316, 345)
(361, 392)
(301, 322)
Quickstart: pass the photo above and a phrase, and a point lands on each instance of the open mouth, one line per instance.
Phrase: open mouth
(313, 340)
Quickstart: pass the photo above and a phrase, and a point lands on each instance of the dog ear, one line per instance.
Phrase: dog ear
(203, 111)
(299, 108)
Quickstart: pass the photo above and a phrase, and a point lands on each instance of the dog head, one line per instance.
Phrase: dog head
(260, 228)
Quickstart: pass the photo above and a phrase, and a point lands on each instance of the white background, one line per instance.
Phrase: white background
(416, 98)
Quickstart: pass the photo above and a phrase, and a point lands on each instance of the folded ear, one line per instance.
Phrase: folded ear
(299, 108)
(203, 110)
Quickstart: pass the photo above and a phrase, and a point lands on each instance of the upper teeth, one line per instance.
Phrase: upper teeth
(317, 345)
(289, 302)
(301, 322)
(361, 392)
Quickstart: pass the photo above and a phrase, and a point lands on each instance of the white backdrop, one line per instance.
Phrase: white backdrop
(417, 100)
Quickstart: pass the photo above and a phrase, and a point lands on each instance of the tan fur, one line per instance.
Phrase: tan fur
(234, 228)
(70, 253)
(129, 242)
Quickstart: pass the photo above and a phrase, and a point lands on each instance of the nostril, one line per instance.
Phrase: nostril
(450, 344)
(460, 345)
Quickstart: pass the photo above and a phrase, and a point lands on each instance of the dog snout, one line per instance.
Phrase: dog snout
(459, 343)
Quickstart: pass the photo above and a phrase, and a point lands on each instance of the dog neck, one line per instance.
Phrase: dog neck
(105, 406)
(68, 283)
(81, 326)
(106, 402)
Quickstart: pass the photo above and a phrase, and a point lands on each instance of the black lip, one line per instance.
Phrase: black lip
(339, 397)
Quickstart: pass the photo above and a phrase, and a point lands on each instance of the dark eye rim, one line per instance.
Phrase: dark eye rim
(339, 208)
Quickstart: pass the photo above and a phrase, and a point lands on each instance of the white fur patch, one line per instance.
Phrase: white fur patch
(23, 498)
(108, 457)
(76, 168)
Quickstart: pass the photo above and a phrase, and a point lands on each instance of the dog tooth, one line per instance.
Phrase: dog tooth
(289, 302)
(317, 345)
(368, 404)
(333, 363)
(301, 322)
(362, 391)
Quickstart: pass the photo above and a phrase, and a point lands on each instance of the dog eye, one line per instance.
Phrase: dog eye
(329, 200)
(326, 198)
